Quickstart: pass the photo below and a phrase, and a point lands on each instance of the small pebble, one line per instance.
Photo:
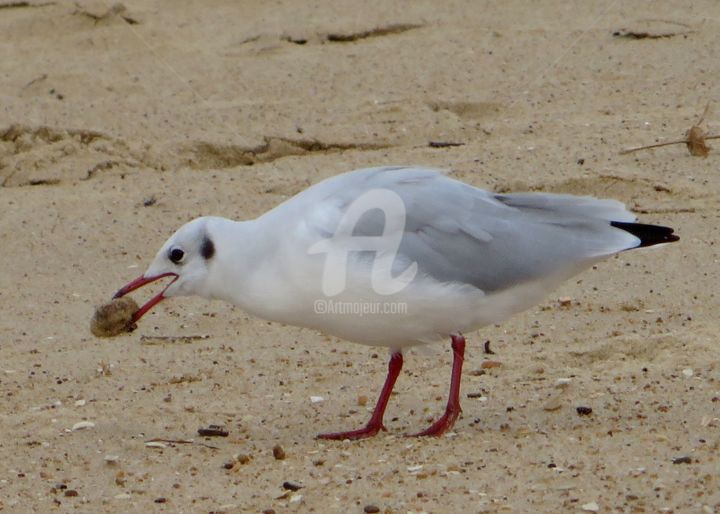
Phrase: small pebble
(111, 459)
(583, 411)
(242, 458)
(213, 431)
(289, 486)
(490, 364)
(82, 425)
(362, 400)
(682, 460)
(553, 404)
(160, 500)
(591, 507)
(688, 372)
(269, 511)
(317, 399)
(71, 492)
(371, 509)
(278, 452)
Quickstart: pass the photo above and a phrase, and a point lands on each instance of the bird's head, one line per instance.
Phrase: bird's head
(185, 258)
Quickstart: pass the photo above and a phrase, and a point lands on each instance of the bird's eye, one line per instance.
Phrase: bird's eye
(176, 255)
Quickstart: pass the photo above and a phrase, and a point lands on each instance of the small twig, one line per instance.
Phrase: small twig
(180, 441)
(443, 144)
(35, 80)
(702, 116)
(633, 34)
(150, 340)
(23, 3)
(637, 148)
(679, 141)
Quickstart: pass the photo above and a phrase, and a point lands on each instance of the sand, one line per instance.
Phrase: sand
(118, 124)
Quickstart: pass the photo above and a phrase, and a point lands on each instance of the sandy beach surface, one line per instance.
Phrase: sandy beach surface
(119, 122)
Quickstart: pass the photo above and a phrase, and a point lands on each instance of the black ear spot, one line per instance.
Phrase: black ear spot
(207, 250)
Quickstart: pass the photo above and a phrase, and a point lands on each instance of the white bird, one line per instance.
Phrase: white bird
(396, 257)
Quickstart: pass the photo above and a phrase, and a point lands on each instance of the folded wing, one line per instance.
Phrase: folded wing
(459, 233)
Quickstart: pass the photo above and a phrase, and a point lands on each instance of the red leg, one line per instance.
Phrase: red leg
(376, 420)
(452, 411)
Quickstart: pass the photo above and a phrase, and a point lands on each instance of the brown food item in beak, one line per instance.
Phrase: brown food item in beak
(114, 318)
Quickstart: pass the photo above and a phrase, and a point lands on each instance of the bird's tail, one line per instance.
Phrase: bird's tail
(648, 235)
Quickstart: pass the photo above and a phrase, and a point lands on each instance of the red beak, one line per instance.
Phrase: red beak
(141, 281)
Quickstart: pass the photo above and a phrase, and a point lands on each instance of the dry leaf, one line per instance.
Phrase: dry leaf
(695, 139)
(696, 142)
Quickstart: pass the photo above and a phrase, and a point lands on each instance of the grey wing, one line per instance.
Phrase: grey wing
(459, 233)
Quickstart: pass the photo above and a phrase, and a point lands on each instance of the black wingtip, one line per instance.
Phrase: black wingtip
(649, 235)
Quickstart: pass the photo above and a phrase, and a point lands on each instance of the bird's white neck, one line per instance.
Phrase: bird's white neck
(241, 270)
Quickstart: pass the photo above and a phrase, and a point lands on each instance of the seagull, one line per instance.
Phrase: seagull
(396, 257)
